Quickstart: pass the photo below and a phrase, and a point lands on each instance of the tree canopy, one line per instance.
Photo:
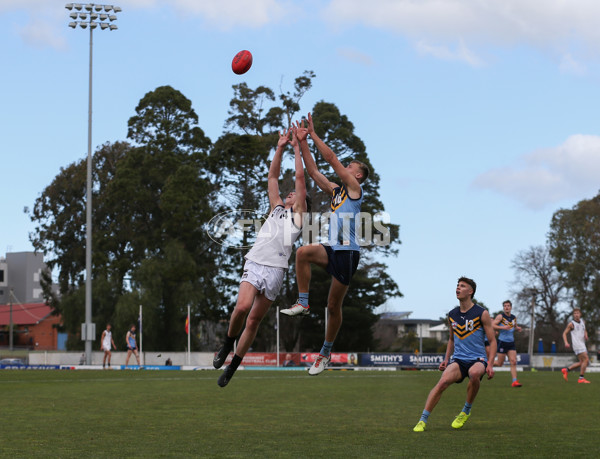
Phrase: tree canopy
(154, 198)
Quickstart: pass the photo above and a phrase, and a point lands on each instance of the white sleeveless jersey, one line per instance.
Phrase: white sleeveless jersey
(107, 340)
(275, 239)
(578, 335)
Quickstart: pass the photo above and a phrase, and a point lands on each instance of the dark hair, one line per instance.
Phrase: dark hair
(363, 168)
(471, 282)
(507, 301)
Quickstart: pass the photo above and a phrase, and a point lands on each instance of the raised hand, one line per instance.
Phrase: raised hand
(300, 131)
(310, 125)
(294, 140)
(284, 138)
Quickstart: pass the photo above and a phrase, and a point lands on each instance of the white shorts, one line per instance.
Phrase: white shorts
(267, 279)
(579, 350)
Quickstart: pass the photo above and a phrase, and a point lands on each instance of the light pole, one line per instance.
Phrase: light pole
(92, 16)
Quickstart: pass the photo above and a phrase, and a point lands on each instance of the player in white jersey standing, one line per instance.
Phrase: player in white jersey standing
(578, 338)
(106, 343)
(267, 261)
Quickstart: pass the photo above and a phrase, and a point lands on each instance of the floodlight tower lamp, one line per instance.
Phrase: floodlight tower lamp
(90, 17)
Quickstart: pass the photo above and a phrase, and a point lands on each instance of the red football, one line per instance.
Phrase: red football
(241, 62)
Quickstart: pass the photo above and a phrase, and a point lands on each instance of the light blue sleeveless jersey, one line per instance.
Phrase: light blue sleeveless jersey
(343, 221)
(469, 335)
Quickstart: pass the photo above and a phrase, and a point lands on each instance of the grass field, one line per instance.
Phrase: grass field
(289, 414)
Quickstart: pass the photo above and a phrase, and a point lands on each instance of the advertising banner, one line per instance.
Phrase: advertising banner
(416, 360)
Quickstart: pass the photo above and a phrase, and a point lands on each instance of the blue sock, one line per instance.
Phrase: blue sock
(467, 408)
(303, 299)
(425, 416)
(326, 349)
(514, 379)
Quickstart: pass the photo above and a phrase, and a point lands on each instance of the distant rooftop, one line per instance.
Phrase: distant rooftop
(400, 315)
(24, 314)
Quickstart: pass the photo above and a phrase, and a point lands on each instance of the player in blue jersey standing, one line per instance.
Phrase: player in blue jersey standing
(506, 324)
(467, 356)
(340, 255)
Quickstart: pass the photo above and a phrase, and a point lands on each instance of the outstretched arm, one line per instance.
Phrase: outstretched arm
(275, 169)
(300, 204)
(351, 182)
(311, 166)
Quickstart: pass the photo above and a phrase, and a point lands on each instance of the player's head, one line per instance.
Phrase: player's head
(108, 327)
(576, 313)
(359, 169)
(290, 200)
(507, 306)
(132, 327)
(465, 281)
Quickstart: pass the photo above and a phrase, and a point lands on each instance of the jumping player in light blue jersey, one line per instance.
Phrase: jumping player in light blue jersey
(506, 324)
(467, 355)
(340, 255)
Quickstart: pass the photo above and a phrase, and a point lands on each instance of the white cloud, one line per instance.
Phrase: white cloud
(461, 53)
(556, 26)
(41, 34)
(571, 66)
(225, 14)
(546, 176)
(355, 56)
(45, 20)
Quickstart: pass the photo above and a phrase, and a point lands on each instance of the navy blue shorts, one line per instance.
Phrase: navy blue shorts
(464, 366)
(505, 346)
(342, 264)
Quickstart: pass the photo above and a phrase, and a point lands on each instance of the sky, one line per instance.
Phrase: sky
(481, 117)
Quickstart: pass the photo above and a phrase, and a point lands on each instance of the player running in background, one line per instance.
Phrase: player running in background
(341, 253)
(578, 337)
(506, 324)
(467, 353)
(106, 343)
(266, 262)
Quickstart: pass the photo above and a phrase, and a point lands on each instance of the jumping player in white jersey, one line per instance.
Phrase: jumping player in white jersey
(106, 343)
(578, 337)
(267, 261)
(340, 255)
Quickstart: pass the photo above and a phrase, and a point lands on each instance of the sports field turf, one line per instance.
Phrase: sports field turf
(289, 414)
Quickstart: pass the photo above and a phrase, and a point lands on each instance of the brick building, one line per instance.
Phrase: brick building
(34, 326)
